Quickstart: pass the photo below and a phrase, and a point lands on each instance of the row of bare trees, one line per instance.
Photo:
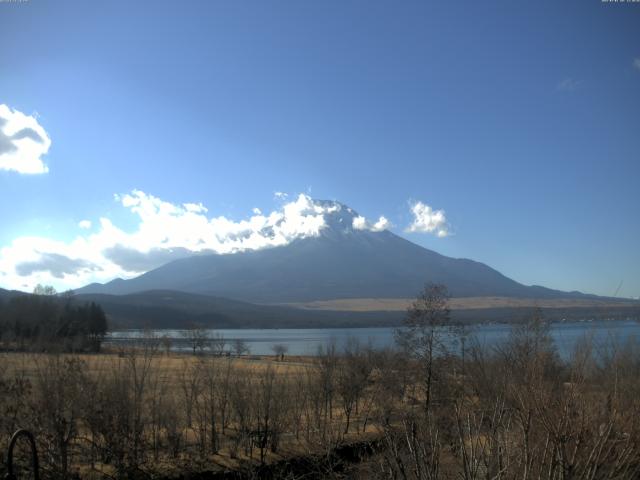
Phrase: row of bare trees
(513, 411)
(120, 415)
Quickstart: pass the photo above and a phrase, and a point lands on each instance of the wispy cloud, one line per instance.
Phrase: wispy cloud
(23, 142)
(280, 195)
(428, 220)
(636, 62)
(568, 84)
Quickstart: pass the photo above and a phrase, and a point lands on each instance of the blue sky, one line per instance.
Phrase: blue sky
(520, 120)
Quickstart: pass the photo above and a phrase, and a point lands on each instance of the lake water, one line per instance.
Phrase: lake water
(307, 341)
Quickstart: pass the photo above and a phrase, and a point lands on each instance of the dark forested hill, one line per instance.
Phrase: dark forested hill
(172, 309)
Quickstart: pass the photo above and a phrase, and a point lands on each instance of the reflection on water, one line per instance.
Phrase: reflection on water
(302, 341)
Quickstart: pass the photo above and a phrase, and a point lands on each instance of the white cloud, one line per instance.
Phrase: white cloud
(28, 261)
(165, 225)
(195, 207)
(280, 195)
(636, 62)
(428, 220)
(23, 142)
(361, 223)
(165, 231)
(382, 224)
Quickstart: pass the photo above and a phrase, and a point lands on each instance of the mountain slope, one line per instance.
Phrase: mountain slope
(8, 294)
(341, 262)
(4, 294)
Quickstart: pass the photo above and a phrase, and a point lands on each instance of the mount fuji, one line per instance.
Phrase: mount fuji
(339, 262)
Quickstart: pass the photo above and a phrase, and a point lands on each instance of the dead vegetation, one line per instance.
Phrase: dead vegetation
(143, 413)
(513, 412)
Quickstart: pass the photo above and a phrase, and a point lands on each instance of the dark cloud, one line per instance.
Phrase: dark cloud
(27, 133)
(7, 144)
(57, 265)
(133, 260)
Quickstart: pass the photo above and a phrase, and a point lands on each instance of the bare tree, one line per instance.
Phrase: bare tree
(217, 343)
(325, 387)
(44, 290)
(165, 340)
(280, 349)
(198, 338)
(425, 331)
(240, 347)
(352, 375)
(59, 388)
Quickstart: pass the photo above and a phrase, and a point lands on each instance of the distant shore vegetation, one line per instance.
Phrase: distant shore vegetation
(47, 321)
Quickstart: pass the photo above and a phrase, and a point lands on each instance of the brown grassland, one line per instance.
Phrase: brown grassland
(461, 303)
(143, 412)
(430, 409)
(515, 412)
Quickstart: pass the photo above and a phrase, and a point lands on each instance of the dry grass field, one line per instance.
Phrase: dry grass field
(170, 365)
(464, 303)
(112, 413)
(514, 412)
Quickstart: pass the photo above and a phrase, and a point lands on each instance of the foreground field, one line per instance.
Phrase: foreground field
(514, 412)
(143, 412)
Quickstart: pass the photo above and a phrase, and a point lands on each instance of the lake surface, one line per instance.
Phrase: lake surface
(307, 341)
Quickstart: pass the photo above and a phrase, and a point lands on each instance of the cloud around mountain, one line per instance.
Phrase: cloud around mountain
(361, 223)
(166, 231)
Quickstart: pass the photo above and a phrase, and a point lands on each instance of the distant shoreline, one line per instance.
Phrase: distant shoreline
(461, 303)
(367, 327)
